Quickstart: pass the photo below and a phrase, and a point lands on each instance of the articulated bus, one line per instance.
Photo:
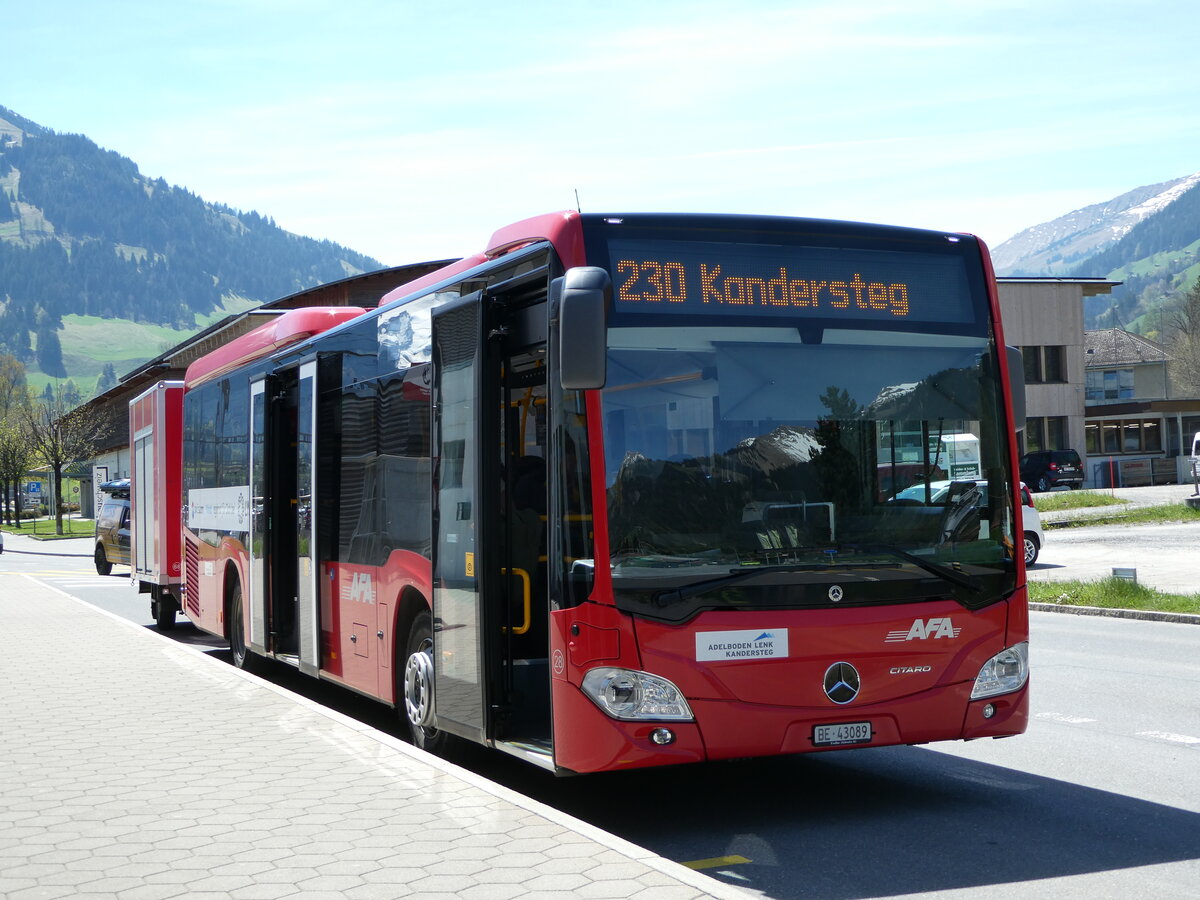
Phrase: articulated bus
(631, 490)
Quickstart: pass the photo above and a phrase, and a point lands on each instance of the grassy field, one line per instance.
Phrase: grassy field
(1148, 515)
(1111, 593)
(89, 342)
(1074, 500)
(43, 529)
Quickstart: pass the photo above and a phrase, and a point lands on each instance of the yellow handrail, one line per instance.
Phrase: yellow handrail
(526, 585)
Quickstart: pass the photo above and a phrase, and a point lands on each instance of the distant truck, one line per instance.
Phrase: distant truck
(156, 498)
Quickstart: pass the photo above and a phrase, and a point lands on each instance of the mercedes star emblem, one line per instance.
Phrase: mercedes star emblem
(841, 683)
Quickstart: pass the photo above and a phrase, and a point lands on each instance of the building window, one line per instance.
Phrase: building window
(1045, 365)
(1152, 437)
(1056, 433)
(1113, 384)
(1034, 436)
(1046, 433)
(1124, 436)
(1054, 367)
(1033, 364)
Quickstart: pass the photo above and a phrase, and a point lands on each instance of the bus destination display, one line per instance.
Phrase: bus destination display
(709, 278)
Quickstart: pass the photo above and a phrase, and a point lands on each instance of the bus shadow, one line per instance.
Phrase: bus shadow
(864, 823)
(877, 823)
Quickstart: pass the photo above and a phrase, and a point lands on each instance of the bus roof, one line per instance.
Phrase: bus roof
(289, 328)
(560, 228)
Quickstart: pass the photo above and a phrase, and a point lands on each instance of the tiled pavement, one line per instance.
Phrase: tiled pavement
(133, 767)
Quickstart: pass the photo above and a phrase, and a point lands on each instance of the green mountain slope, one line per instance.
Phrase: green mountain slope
(87, 241)
(1158, 260)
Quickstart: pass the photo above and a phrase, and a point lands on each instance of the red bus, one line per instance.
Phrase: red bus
(608, 493)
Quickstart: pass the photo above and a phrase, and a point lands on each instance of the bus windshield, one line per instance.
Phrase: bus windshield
(747, 451)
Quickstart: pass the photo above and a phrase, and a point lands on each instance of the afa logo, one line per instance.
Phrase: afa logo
(924, 629)
(360, 589)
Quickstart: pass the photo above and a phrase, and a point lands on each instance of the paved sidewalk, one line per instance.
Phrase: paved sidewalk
(133, 767)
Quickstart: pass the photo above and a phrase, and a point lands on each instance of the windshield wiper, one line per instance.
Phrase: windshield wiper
(954, 576)
(696, 588)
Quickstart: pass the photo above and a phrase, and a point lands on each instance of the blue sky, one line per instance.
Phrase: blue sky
(412, 130)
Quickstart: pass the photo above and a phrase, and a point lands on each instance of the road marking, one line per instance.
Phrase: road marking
(714, 862)
(1064, 718)
(1169, 736)
(47, 573)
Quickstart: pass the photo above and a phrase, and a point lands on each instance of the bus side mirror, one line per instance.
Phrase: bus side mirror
(583, 328)
(1016, 386)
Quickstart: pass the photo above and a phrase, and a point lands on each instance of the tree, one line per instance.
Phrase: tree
(61, 434)
(71, 395)
(1184, 323)
(16, 456)
(107, 379)
(49, 352)
(12, 384)
(14, 444)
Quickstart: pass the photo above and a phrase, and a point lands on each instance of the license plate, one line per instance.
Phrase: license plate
(841, 734)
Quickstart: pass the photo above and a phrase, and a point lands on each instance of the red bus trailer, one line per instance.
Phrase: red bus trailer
(156, 557)
(607, 494)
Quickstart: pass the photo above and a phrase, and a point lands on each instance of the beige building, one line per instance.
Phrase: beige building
(1044, 317)
(1136, 431)
(1103, 393)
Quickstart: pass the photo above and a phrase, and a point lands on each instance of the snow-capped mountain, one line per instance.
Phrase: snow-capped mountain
(1061, 246)
(785, 446)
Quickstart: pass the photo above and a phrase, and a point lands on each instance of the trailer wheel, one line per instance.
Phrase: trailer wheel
(242, 658)
(164, 613)
(417, 687)
(103, 566)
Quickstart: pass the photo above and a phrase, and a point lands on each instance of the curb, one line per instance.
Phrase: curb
(1144, 615)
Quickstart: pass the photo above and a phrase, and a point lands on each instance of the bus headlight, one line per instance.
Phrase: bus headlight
(627, 694)
(1004, 673)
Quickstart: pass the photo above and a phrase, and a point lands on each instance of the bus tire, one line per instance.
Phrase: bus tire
(242, 657)
(103, 566)
(416, 687)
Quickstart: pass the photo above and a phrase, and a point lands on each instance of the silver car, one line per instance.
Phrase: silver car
(1031, 522)
(1033, 536)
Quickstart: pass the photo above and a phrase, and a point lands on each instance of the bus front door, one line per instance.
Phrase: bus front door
(466, 460)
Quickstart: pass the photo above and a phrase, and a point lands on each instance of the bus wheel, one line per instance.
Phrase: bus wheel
(418, 686)
(237, 632)
(103, 566)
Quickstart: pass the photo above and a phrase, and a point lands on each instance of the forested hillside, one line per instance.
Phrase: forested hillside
(83, 232)
(1157, 261)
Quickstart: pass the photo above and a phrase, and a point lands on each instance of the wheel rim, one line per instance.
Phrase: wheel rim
(1030, 551)
(418, 686)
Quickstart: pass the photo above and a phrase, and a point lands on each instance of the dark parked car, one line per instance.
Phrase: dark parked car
(1045, 469)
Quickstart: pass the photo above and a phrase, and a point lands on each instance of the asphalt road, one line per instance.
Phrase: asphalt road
(1166, 557)
(1101, 798)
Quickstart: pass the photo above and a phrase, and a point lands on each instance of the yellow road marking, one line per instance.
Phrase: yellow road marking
(714, 862)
